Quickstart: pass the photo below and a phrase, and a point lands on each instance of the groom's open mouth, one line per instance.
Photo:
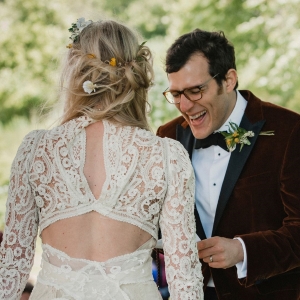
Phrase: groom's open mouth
(197, 117)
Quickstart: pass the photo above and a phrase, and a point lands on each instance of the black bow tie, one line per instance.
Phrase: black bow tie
(213, 139)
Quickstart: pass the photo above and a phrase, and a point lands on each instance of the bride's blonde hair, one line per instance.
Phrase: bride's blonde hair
(121, 93)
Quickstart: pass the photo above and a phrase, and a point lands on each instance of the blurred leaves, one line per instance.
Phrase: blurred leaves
(266, 36)
(30, 34)
(34, 33)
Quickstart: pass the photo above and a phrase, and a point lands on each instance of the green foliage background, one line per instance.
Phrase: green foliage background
(266, 35)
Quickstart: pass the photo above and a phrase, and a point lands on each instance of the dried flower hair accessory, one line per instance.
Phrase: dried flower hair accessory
(90, 55)
(89, 87)
(78, 27)
(238, 135)
(113, 62)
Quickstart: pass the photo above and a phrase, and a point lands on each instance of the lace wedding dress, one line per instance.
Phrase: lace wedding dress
(149, 183)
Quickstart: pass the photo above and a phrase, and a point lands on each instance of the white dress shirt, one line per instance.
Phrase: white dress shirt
(210, 165)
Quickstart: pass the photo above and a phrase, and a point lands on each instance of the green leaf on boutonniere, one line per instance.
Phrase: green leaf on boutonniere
(237, 135)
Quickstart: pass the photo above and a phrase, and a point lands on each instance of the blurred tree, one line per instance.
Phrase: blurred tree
(161, 110)
(31, 32)
(150, 18)
(266, 36)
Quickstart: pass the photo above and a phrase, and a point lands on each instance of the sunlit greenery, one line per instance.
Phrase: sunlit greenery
(34, 35)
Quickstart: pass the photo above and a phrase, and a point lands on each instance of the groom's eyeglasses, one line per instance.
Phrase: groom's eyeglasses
(193, 94)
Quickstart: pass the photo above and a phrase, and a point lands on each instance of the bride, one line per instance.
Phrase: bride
(100, 184)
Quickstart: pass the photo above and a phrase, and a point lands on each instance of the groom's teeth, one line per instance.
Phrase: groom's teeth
(198, 115)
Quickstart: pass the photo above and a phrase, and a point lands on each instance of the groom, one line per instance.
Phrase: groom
(247, 203)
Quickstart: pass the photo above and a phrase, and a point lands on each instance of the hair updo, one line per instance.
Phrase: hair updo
(121, 93)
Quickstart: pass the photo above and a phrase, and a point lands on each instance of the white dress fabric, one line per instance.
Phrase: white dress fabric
(149, 183)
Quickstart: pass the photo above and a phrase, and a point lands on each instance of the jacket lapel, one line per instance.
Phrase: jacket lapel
(186, 138)
(235, 166)
(237, 159)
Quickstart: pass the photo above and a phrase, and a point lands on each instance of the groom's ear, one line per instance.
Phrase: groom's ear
(230, 80)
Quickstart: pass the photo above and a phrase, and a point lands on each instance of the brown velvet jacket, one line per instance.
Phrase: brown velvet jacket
(259, 202)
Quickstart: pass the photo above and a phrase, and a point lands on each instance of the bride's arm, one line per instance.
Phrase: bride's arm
(21, 225)
(177, 223)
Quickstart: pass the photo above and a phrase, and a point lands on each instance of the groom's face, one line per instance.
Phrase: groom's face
(210, 112)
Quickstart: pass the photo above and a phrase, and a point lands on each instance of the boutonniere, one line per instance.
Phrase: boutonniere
(238, 135)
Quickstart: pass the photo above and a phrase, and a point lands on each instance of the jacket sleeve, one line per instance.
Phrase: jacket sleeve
(275, 252)
(21, 225)
(177, 223)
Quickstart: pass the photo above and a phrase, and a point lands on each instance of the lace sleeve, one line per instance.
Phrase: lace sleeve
(21, 223)
(177, 223)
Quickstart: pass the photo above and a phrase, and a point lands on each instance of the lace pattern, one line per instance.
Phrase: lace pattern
(83, 279)
(149, 180)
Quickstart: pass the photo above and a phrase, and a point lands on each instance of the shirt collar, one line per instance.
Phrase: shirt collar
(237, 113)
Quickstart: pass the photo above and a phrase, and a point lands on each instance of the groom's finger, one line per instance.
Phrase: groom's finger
(220, 252)
(206, 248)
(208, 243)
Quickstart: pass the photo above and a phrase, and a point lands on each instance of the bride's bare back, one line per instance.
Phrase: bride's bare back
(91, 235)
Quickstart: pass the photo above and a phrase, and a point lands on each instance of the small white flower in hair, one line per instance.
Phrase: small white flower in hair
(89, 87)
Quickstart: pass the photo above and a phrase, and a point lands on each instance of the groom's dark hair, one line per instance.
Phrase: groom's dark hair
(218, 51)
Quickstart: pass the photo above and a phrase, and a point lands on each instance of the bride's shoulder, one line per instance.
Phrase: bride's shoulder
(174, 145)
(69, 129)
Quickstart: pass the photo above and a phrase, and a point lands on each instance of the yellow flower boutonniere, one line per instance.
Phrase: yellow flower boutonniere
(238, 135)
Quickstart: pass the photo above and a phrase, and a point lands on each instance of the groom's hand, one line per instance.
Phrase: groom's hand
(220, 252)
